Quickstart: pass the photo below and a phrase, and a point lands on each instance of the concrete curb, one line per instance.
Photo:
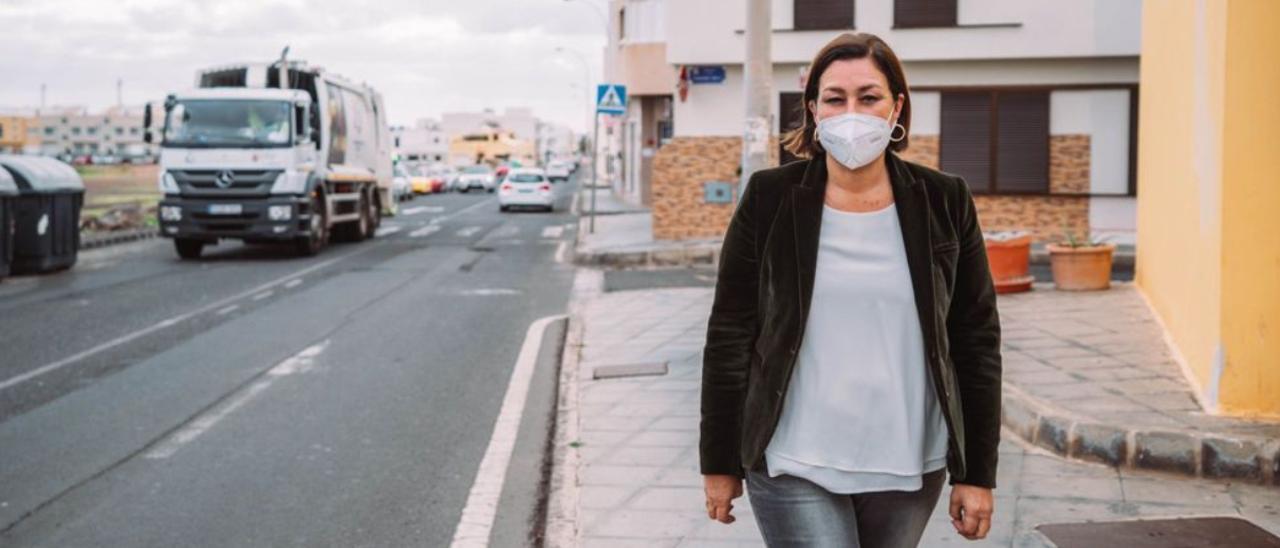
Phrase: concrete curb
(562, 527)
(105, 239)
(1186, 453)
(694, 253)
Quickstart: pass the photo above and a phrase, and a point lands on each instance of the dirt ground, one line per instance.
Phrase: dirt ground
(111, 186)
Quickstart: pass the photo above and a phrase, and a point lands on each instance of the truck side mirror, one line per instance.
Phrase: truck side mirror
(313, 116)
(146, 122)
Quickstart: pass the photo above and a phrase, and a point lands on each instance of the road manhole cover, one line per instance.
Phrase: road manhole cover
(629, 370)
(1161, 533)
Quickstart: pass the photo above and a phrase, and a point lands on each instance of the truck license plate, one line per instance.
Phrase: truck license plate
(224, 209)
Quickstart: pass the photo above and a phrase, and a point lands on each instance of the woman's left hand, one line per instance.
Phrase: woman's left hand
(971, 508)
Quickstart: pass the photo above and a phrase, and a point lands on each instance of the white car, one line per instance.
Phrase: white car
(400, 189)
(526, 187)
(476, 178)
(558, 170)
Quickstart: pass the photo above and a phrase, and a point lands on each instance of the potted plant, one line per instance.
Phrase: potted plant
(1081, 264)
(1008, 255)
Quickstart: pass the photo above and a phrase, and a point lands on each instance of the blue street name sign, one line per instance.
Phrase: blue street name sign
(708, 74)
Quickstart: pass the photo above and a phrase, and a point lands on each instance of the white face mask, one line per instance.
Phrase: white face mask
(854, 139)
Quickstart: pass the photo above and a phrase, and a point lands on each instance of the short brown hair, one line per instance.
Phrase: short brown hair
(801, 141)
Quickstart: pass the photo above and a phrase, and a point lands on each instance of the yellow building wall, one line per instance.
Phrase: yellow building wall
(1206, 209)
(1251, 210)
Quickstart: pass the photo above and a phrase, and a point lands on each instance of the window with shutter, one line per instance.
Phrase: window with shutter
(924, 13)
(966, 138)
(1022, 142)
(823, 14)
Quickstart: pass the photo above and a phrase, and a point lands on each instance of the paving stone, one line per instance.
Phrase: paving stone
(619, 475)
(1147, 490)
(1017, 415)
(647, 524)
(604, 496)
(689, 499)
(643, 456)
(1166, 452)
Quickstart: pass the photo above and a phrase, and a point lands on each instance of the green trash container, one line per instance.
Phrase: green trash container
(8, 191)
(46, 213)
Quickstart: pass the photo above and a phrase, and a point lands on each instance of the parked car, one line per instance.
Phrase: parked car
(420, 180)
(477, 177)
(440, 175)
(558, 170)
(526, 187)
(400, 187)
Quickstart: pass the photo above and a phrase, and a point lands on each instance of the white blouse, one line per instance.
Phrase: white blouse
(860, 413)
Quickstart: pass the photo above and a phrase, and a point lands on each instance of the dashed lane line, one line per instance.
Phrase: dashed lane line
(216, 305)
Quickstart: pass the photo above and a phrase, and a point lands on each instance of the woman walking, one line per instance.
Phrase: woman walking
(852, 359)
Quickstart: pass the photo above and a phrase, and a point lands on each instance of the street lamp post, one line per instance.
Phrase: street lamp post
(595, 133)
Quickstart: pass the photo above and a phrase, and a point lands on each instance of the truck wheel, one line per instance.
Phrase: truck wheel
(318, 231)
(375, 212)
(188, 249)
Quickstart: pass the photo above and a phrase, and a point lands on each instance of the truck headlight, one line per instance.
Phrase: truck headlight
(170, 213)
(290, 182)
(280, 212)
(168, 185)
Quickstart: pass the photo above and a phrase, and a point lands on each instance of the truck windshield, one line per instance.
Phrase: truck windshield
(227, 123)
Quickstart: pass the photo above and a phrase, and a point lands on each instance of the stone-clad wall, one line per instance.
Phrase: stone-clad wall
(679, 169)
(681, 166)
(1044, 216)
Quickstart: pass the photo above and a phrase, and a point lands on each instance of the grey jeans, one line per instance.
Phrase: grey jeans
(793, 511)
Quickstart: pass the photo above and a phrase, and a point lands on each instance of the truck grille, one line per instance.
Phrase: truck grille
(224, 180)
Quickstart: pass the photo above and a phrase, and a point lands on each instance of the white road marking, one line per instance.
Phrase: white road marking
(552, 231)
(561, 250)
(489, 291)
(293, 283)
(171, 321)
(468, 232)
(298, 363)
(389, 230)
(570, 226)
(481, 509)
(421, 209)
(263, 295)
(227, 310)
(424, 231)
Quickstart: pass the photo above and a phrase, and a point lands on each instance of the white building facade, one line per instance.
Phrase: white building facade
(113, 135)
(424, 142)
(1055, 82)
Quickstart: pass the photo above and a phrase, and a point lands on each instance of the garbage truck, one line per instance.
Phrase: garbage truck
(279, 152)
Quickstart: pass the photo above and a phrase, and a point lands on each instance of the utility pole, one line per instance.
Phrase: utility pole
(595, 148)
(120, 93)
(42, 95)
(758, 69)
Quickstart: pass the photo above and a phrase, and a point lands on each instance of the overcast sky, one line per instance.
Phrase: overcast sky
(425, 56)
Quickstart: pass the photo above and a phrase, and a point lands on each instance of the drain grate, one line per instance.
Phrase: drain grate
(1161, 533)
(629, 370)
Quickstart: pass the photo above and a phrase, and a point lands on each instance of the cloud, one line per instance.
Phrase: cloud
(425, 56)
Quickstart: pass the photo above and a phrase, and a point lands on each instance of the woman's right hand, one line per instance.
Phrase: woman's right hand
(721, 489)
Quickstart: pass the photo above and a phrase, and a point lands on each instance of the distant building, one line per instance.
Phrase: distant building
(490, 146)
(544, 140)
(113, 135)
(14, 134)
(423, 142)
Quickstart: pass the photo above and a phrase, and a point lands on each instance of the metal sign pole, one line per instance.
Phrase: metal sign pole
(595, 148)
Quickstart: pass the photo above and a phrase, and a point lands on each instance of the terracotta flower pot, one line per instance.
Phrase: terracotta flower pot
(1081, 268)
(1008, 255)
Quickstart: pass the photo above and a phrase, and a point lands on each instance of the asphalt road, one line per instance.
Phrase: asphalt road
(258, 399)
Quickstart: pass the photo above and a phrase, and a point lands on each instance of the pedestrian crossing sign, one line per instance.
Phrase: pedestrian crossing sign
(611, 99)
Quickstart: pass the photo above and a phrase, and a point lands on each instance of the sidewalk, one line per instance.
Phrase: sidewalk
(632, 464)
